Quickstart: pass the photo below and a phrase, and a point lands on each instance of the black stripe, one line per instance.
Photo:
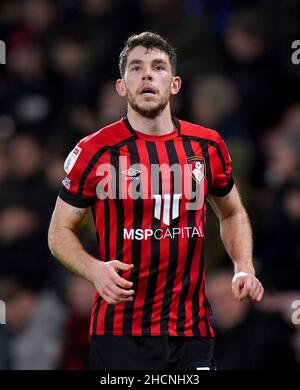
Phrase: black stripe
(195, 300)
(223, 191)
(128, 125)
(136, 244)
(220, 157)
(177, 125)
(205, 154)
(107, 246)
(207, 311)
(190, 251)
(107, 229)
(96, 315)
(106, 257)
(95, 159)
(173, 245)
(196, 308)
(75, 200)
(207, 307)
(155, 248)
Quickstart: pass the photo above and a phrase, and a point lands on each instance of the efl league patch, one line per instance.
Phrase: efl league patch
(71, 159)
(67, 182)
(196, 167)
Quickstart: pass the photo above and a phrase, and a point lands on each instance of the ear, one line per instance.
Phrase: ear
(176, 85)
(120, 87)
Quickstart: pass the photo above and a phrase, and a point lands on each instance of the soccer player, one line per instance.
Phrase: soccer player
(147, 179)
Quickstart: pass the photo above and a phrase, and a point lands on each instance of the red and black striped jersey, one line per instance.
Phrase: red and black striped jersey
(148, 197)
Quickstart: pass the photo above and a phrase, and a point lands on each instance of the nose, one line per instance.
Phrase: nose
(147, 75)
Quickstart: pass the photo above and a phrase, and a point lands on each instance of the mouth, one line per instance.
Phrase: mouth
(148, 91)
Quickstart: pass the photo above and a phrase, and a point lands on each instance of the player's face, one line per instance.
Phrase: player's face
(148, 81)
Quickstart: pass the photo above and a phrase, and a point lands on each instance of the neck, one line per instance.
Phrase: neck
(159, 125)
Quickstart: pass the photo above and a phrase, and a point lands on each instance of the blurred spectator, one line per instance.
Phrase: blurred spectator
(34, 326)
(81, 120)
(192, 36)
(283, 303)
(79, 296)
(277, 243)
(215, 105)
(283, 159)
(290, 121)
(255, 68)
(23, 246)
(277, 239)
(4, 168)
(39, 15)
(110, 106)
(25, 182)
(247, 337)
(31, 97)
(7, 127)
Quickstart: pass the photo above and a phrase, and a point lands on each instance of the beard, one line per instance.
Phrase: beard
(148, 112)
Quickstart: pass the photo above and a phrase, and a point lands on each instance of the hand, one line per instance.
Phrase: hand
(246, 285)
(111, 287)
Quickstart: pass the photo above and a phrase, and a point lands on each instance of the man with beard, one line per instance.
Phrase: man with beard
(138, 175)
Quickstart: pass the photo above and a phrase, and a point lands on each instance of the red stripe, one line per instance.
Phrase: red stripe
(113, 226)
(212, 333)
(202, 327)
(164, 243)
(100, 228)
(93, 313)
(99, 211)
(101, 317)
(219, 178)
(145, 244)
(128, 220)
(183, 246)
(194, 275)
(195, 266)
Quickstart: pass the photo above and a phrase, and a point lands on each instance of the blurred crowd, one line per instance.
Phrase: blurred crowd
(58, 86)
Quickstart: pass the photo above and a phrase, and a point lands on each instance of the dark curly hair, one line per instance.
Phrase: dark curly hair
(148, 40)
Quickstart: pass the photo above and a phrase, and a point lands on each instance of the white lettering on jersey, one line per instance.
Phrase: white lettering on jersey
(160, 234)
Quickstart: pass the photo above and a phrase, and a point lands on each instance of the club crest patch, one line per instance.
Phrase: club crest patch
(197, 168)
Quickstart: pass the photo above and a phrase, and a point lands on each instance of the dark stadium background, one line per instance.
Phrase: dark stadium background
(57, 86)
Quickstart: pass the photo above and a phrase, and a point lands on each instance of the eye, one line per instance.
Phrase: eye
(158, 67)
(136, 68)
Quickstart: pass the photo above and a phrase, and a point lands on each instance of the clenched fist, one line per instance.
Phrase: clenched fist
(246, 285)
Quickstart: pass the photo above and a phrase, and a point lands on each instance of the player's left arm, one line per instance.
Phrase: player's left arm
(236, 234)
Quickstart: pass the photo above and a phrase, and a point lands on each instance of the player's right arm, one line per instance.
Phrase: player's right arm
(66, 247)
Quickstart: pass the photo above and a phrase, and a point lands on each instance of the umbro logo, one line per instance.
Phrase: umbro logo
(131, 174)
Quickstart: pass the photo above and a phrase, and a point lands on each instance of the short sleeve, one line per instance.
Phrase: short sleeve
(220, 163)
(77, 188)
